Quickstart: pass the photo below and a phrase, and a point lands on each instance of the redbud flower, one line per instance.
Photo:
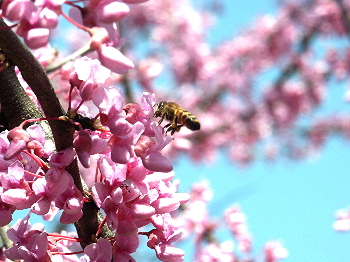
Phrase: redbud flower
(87, 68)
(36, 37)
(63, 158)
(274, 251)
(142, 210)
(169, 253)
(124, 246)
(108, 99)
(149, 151)
(15, 10)
(109, 11)
(18, 142)
(100, 251)
(127, 228)
(30, 245)
(48, 18)
(83, 144)
(113, 59)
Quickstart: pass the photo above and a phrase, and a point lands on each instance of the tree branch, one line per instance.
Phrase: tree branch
(292, 68)
(82, 51)
(15, 103)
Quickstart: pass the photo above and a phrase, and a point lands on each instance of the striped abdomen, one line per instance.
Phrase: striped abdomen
(184, 117)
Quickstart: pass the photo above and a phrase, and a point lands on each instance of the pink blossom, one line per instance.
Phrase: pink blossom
(114, 60)
(71, 202)
(87, 68)
(83, 145)
(100, 251)
(109, 11)
(63, 158)
(169, 253)
(113, 173)
(142, 210)
(108, 100)
(36, 37)
(171, 228)
(121, 146)
(31, 245)
(215, 252)
(135, 113)
(125, 245)
(274, 251)
(53, 185)
(165, 205)
(236, 222)
(18, 142)
(15, 10)
(149, 151)
(48, 18)
(99, 37)
(14, 177)
(127, 228)
(19, 198)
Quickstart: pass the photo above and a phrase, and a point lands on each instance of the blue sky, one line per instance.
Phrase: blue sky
(286, 200)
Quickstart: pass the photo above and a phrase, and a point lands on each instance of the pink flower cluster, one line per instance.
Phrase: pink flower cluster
(35, 21)
(236, 222)
(120, 155)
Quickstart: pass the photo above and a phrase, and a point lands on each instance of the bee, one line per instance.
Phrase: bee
(177, 116)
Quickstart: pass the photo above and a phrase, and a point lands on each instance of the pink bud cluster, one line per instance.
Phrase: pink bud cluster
(35, 21)
(120, 154)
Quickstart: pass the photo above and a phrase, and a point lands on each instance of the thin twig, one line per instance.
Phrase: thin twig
(80, 52)
(292, 68)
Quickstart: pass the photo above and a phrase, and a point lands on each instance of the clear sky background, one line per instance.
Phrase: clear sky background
(285, 200)
(289, 201)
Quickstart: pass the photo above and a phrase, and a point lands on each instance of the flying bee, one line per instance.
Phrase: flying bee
(177, 116)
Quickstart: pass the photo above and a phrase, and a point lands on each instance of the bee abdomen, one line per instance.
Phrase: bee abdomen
(187, 119)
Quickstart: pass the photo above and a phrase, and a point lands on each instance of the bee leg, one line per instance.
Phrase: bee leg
(169, 128)
(172, 130)
(178, 127)
(161, 120)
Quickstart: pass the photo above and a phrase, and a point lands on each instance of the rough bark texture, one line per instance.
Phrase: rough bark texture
(15, 104)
